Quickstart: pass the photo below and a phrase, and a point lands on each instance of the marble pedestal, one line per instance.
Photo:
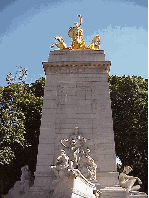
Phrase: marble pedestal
(136, 194)
(113, 192)
(73, 185)
(76, 94)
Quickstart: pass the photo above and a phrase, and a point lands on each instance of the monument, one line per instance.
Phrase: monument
(76, 153)
(77, 95)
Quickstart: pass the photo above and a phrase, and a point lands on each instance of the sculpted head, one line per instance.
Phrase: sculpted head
(25, 168)
(81, 151)
(127, 169)
(88, 151)
(62, 152)
(76, 130)
(76, 24)
(73, 142)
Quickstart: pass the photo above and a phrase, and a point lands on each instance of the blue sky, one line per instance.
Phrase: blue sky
(28, 29)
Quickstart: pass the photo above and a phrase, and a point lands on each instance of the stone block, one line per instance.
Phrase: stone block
(114, 192)
(45, 161)
(64, 131)
(42, 168)
(49, 111)
(46, 140)
(43, 181)
(44, 149)
(73, 187)
(45, 126)
(52, 104)
(47, 133)
(137, 195)
(65, 126)
(68, 101)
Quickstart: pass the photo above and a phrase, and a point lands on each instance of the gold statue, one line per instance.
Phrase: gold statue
(78, 43)
(61, 43)
(95, 44)
(76, 34)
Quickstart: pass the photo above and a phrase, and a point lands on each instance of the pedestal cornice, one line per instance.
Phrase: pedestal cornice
(76, 67)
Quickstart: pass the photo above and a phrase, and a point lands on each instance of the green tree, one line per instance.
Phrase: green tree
(33, 112)
(129, 102)
(12, 128)
(20, 115)
(11, 119)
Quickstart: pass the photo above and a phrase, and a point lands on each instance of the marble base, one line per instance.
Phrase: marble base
(113, 192)
(39, 192)
(73, 185)
(107, 179)
(135, 194)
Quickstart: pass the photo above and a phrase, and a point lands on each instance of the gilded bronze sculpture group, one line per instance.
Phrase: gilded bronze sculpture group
(78, 43)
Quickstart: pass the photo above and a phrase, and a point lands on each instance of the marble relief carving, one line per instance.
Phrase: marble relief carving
(76, 157)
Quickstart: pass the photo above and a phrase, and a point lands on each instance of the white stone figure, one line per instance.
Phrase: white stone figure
(83, 165)
(25, 178)
(91, 165)
(26, 175)
(21, 187)
(73, 150)
(127, 181)
(76, 141)
(61, 164)
(87, 165)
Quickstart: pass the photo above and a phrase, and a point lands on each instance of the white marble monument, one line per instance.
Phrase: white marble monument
(76, 94)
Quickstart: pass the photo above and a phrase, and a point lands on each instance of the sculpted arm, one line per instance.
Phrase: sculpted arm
(124, 176)
(80, 19)
(66, 140)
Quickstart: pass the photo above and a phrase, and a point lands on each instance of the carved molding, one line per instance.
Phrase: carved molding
(77, 67)
(81, 194)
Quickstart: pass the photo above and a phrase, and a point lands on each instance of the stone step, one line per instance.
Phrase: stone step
(137, 195)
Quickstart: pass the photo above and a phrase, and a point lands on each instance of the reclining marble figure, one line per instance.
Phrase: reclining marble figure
(127, 181)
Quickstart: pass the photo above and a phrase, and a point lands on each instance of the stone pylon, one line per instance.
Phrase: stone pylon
(76, 94)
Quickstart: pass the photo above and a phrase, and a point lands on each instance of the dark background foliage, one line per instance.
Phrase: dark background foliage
(129, 103)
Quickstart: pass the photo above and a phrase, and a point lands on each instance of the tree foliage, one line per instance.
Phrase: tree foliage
(20, 113)
(129, 103)
(12, 128)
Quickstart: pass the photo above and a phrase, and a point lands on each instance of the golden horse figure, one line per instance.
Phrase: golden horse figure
(78, 43)
(61, 43)
(95, 44)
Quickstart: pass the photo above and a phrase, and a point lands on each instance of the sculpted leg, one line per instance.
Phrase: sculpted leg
(135, 188)
(53, 45)
(130, 184)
